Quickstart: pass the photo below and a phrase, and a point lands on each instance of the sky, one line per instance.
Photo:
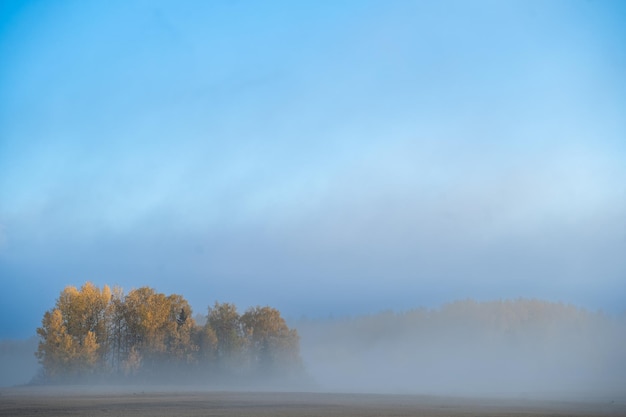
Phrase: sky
(327, 158)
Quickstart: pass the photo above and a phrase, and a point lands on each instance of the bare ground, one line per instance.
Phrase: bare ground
(133, 401)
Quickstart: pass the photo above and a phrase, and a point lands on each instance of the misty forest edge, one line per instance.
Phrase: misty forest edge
(105, 334)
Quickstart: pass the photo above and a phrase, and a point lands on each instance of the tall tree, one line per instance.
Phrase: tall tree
(147, 315)
(224, 320)
(117, 330)
(55, 350)
(181, 346)
(272, 345)
(74, 335)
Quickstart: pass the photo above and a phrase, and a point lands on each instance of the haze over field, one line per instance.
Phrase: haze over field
(324, 158)
(520, 348)
(507, 348)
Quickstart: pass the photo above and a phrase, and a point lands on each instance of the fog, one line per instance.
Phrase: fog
(329, 158)
(18, 364)
(506, 348)
(465, 348)
(20, 368)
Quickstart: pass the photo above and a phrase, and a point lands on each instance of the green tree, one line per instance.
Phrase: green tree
(206, 340)
(224, 320)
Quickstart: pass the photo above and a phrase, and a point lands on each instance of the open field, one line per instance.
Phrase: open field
(40, 402)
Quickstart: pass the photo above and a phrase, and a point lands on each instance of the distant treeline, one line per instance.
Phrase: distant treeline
(470, 347)
(105, 333)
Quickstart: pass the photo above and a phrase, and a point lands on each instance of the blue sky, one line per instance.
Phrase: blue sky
(321, 157)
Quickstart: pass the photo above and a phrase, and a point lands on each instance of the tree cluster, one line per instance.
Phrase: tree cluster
(146, 334)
